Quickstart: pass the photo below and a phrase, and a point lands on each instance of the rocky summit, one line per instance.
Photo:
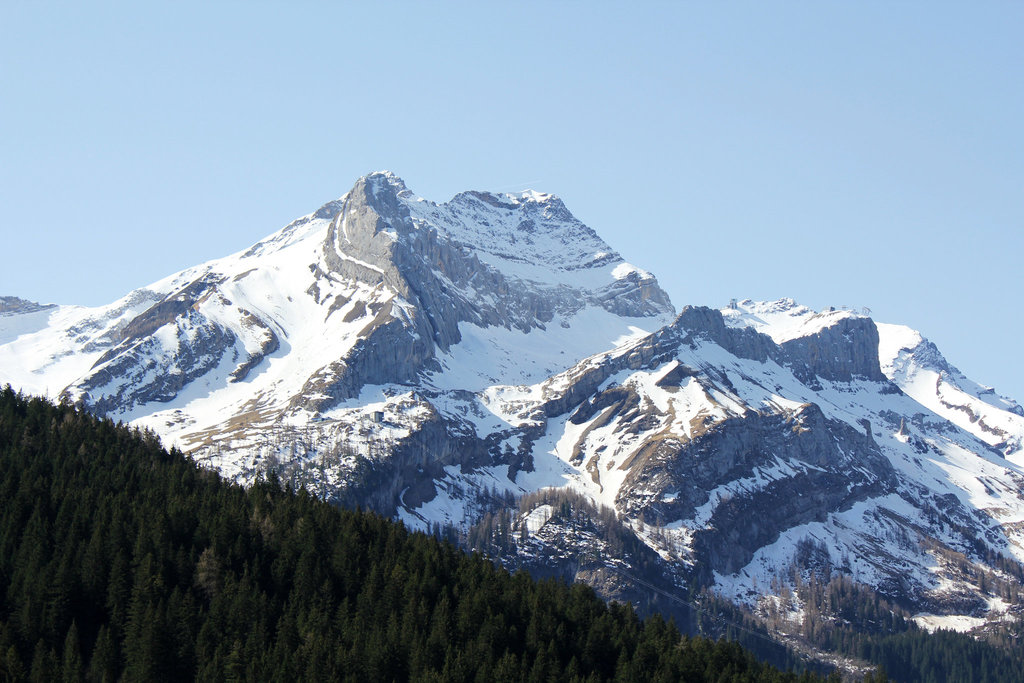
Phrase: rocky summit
(487, 364)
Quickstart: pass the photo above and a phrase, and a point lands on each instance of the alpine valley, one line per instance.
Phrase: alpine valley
(490, 370)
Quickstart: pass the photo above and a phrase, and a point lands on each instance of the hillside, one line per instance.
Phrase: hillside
(121, 561)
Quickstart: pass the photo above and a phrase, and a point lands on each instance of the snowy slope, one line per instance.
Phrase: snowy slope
(916, 366)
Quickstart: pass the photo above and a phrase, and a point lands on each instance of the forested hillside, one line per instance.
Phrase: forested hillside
(840, 618)
(119, 560)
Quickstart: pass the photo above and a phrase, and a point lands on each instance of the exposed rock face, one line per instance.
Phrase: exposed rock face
(14, 305)
(707, 323)
(828, 467)
(392, 351)
(741, 446)
(842, 352)
(376, 239)
(143, 367)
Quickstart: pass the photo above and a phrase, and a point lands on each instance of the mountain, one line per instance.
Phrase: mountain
(442, 363)
(378, 288)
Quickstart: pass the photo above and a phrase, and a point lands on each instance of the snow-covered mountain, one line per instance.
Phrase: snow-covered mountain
(436, 361)
(378, 289)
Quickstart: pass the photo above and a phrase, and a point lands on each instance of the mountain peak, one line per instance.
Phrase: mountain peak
(385, 180)
(382, 191)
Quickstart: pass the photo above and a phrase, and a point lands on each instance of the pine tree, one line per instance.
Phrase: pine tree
(45, 667)
(72, 660)
(11, 667)
(103, 664)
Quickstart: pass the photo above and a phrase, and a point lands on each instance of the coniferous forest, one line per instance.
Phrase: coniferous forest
(122, 561)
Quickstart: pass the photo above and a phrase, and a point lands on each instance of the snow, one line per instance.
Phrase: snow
(359, 262)
(914, 365)
(16, 325)
(447, 507)
(489, 356)
(624, 270)
(538, 517)
(42, 353)
(782, 320)
(951, 622)
(533, 196)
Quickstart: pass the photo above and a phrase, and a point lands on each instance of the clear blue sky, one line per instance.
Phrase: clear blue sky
(861, 154)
